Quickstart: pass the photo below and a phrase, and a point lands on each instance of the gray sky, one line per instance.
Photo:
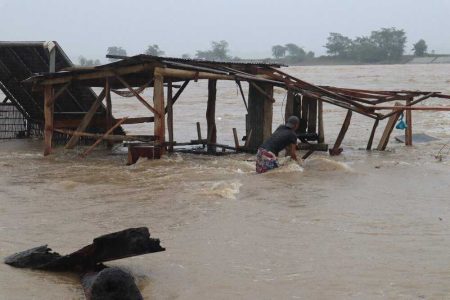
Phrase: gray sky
(88, 27)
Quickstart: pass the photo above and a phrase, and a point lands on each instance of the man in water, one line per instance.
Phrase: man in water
(284, 136)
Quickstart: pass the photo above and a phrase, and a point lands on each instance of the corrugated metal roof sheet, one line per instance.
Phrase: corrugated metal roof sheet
(19, 61)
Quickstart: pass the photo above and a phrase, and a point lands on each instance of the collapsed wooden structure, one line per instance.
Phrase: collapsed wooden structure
(304, 100)
(21, 60)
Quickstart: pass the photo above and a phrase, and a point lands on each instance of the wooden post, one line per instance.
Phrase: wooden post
(312, 115)
(211, 115)
(48, 115)
(321, 132)
(199, 132)
(158, 102)
(408, 131)
(336, 148)
(236, 139)
(289, 110)
(260, 110)
(170, 115)
(372, 134)
(388, 129)
(109, 116)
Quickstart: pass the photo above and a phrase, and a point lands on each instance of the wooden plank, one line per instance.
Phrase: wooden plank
(89, 150)
(408, 131)
(48, 115)
(109, 116)
(111, 137)
(321, 132)
(289, 110)
(211, 115)
(304, 115)
(260, 113)
(199, 131)
(236, 139)
(372, 134)
(312, 115)
(336, 150)
(139, 97)
(388, 129)
(242, 94)
(158, 100)
(87, 119)
(170, 114)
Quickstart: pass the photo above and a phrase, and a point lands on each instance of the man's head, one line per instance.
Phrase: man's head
(293, 122)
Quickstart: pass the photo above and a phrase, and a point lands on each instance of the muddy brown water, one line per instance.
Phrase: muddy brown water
(364, 225)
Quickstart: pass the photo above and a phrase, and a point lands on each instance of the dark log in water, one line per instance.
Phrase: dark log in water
(99, 281)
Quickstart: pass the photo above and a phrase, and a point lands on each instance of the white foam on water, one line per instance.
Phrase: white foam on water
(225, 189)
(325, 164)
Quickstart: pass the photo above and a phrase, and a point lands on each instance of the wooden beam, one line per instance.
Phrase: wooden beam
(61, 90)
(321, 132)
(389, 127)
(337, 145)
(408, 131)
(269, 97)
(289, 109)
(48, 115)
(87, 119)
(236, 139)
(111, 137)
(170, 115)
(158, 100)
(372, 134)
(139, 97)
(242, 94)
(422, 108)
(94, 74)
(199, 131)
(109, 116)
(211, 115)
(177, 73)
(110, 130)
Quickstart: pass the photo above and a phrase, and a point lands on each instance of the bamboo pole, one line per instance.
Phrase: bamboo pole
(199, 131)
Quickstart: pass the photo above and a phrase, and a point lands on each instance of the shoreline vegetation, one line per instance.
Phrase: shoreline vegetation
(383, 46)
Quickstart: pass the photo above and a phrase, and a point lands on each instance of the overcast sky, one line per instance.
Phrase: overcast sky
(88, 27)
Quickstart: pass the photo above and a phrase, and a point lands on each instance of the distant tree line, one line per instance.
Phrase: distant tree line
(384, 45)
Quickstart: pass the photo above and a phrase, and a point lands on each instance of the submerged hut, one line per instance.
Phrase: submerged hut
(54, 91)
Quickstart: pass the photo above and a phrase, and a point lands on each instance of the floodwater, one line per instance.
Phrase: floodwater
(364, 225)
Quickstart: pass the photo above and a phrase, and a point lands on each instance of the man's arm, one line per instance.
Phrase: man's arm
(293, 149)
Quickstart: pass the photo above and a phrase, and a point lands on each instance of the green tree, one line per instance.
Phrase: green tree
(339, 45)
(295, 54)
(219, 51)
(278, 51)
(420, 48)
(364, 49)
(115, 50)
(391, 42)
(154, 50)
